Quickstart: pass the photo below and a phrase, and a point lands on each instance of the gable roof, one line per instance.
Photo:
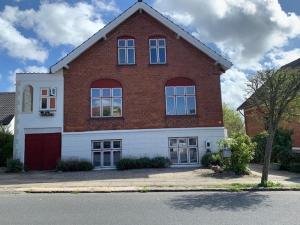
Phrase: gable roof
(124, 16)
(292, 65)
(7, 107)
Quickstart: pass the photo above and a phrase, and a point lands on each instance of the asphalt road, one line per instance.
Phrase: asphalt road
(243, 208)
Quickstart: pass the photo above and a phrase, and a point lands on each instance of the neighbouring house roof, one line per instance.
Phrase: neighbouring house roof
(7, 107)
(292, 65)
(101, 34)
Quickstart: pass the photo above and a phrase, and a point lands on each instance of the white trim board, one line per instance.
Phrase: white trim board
(101, 34)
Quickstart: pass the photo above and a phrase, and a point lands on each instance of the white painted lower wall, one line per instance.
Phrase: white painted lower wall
(138, 143)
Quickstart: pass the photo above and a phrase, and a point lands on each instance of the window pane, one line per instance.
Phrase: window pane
(170, 91)
(117, 157)
(106, 107)
(97, 159)
(96, 145)
(117, 107)
(131, 56)
(44, 103)
(192, 141)
(179, 90)
(173, 155)
(107, 144)
(116, 144)
(153, 55)
(122, 56)
(121, 43)
(95, 107)
(162, 55)
(130, 43)
(106, 159)
(191, 105)
(162, 43)
(96, 92)
(182, 142)
(171, 106)
(153, 43)
(117, 92)
(52, 103)
(183, 155)
(180, 106)
(173, 142)
(193, 155)
(106, 92)
(190, 90)
(45, 92)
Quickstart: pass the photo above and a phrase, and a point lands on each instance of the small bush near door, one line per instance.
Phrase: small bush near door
(74, 165)
(14, 166)
(211, 159)
(6, 146)
(141, 163)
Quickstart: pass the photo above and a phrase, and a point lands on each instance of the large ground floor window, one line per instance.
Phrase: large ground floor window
(106, 153)
(183, 150)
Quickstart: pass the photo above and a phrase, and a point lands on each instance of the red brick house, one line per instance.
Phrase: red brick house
(254, 123)
(141, 86)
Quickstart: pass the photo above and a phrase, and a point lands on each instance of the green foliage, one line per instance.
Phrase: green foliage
(6, 146)
(270, 184)
(242, 150)
(209, 159)
(295, 167)
(14, 166)
(232, 121)
(282, 147)
(141, 163)
(74, 165)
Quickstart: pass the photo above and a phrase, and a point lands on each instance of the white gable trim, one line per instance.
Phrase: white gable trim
(129, 12)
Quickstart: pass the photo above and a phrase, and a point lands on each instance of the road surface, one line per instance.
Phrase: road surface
(217, 208)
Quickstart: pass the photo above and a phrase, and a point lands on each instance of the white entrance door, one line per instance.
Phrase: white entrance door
(183, 150)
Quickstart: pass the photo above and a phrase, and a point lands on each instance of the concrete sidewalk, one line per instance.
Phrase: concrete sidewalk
(175, 179)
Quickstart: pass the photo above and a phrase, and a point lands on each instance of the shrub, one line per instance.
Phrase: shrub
(14, 166)
(6, 146)
(295, 167)
(145, 162)
(209, 159)
(261, 141)
(74, 165)
(242, 150)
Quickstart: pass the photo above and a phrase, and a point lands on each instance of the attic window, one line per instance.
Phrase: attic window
(126, 51)
(157, 49)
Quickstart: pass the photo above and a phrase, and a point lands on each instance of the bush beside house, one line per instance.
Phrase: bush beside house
(142, 163)
(72, 165)
(6, 146)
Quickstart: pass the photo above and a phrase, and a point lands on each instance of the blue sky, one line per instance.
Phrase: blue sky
(253, 34)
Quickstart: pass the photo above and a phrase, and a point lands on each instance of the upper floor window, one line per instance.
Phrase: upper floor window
(27, 101)
(126, 51)
(48, 99)
(180, 97)
(157, 51)
(106, 99)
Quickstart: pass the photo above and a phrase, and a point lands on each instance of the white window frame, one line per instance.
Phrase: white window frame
(188, 146)
(111, 102)
(185, 95)
(157, 47)
(102, 150)
(126, 48)
(48, 99)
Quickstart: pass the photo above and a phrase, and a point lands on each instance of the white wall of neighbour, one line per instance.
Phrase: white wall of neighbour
(33, 120)
(138, 143)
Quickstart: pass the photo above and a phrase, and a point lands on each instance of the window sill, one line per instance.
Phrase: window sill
(158, 64)
(181, 116)
(126, 65)
(107, 118)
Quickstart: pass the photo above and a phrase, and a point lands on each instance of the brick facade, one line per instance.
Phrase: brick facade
(143, 84)
(254, 125)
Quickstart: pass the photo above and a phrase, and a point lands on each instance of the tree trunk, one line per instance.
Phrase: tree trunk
(267, 158)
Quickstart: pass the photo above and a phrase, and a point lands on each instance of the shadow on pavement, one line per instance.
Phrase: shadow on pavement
(220, 201)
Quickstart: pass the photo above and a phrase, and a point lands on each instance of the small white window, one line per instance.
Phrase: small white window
(48, 99)
(126, 51)
(157, 49)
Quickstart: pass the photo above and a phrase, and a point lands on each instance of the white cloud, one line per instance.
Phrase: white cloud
(234, 85)
(61, 23)
(19, 46)
(27, 69)
(245, 30)
(279, 57)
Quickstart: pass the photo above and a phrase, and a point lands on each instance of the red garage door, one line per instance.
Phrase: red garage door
(42, 151)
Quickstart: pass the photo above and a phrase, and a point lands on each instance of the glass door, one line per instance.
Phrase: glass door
(183, 150)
